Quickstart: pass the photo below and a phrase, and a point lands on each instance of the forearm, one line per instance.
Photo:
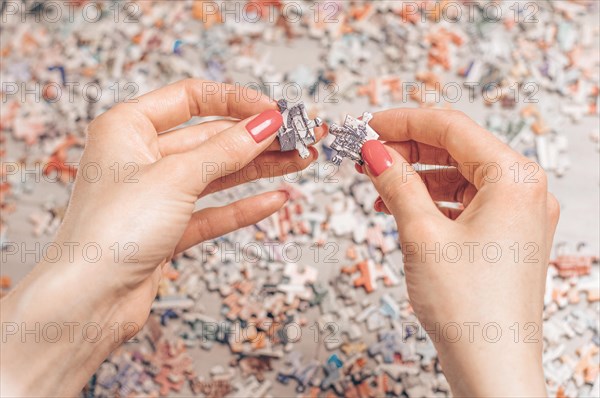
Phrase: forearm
(54, 334)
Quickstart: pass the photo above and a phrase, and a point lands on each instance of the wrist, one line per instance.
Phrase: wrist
(53, 321)
(493, 369)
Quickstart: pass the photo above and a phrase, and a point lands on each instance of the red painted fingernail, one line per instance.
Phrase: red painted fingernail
(359, 168)
(325, 128)
(376, 157)
(264, 125)
(377, 205)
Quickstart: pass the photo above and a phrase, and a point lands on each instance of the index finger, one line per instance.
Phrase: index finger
(177, 103)
(471, 146)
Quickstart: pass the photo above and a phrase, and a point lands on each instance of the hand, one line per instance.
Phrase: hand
(133, 206)
(479, 270)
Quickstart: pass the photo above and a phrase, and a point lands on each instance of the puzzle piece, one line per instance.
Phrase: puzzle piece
(334, 327)
(254, 366)
(398, 370)
(391, 344)
(573, 265)
(389, 307)
(354, 348)
(302, 373)
(243, 340)
(299, 280)
(373, 315)
(427, 352)
(169, 381)
(57, 162)
(251, 388)
(369, 273)
(216, 387)
(333, 378)
(297, 131)
(223, 276)
(356, 369)
(350, 137)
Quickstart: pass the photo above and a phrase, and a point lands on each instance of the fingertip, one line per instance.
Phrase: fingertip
(314, 153)
(377, 204)
(321, 132)
(325, 128)
(273, 200)
(284, 194)
(378, 122)
(359, 168)
(273, 103)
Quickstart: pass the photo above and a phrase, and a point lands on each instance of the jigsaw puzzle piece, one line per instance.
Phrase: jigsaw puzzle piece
(350, 137)
(297, 131)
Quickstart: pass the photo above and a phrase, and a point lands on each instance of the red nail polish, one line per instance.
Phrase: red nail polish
(377, 205)
(376, 157)
(264, 125)
(358, 168)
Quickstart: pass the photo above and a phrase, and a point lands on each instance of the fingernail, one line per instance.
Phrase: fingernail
(325, 128)
(376, 157)
(358, 168)
(377, 205)
(286, 193)
(264, 125)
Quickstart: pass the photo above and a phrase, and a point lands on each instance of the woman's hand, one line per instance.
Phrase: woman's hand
(133, 208)
(476, 276)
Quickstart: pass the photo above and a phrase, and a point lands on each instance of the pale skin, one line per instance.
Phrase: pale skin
(158, 213)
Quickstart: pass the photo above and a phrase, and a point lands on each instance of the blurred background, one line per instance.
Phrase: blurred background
(233, 318)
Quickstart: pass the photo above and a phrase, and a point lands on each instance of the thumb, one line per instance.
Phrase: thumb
(400, 187)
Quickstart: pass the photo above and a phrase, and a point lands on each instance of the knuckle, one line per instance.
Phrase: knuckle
(537, 185)
(458, 115)
(229, 152)
(116, 112)
(202, 225)
(123, 113)
(391, 189)
(188, 81)
(239, 215)
(220, 158)
(457, 119)
(397, 186)
(400, 119)
(100, 121)
(193, 88)
(542, 177)
(191, 83)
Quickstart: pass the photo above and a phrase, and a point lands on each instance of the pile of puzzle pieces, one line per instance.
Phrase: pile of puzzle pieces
(372, 347)
(332, 322)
